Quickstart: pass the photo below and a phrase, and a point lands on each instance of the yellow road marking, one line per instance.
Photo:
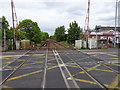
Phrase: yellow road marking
(86, 81)
(102, 53)
(93, 69)
(38, 54)
(52, 67)
(51, 63)
(89, 69)
(104, 70)
(12, 56)
(21, 60)
(91, 82)
(115, 82)
(24, 75)
(52, 59)
(6, 87)
(82, 58)
(72, 66)
(7, 62)
(114, 58)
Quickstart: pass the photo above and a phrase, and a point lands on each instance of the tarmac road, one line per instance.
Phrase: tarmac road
(30, 75)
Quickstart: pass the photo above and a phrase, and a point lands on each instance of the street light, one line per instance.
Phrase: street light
(115, 22)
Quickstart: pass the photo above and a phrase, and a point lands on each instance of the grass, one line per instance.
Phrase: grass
(64, 43)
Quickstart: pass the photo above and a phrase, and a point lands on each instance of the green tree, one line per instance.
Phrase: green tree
(44, 36)
(60, 34)
(5, 26)
(52, 37)
(74, 32)
(31, 30)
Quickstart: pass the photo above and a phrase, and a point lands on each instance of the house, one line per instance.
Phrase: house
(107, 33)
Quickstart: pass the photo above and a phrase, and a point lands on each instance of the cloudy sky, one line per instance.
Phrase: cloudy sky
(50, 14)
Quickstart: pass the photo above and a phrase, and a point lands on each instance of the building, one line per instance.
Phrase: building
(108, 34)
(107, 29)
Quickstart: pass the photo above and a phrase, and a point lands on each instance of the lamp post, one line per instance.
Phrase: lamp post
(115, 22)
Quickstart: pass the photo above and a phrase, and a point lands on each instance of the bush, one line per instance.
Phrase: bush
(64, 43)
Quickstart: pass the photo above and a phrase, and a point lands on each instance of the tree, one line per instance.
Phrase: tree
(44, 36)
(52, 37)
(74, 32)
(60, 33)
(31, 30)
(5, 26)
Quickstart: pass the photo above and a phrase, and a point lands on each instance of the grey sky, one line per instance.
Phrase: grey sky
(53, 13)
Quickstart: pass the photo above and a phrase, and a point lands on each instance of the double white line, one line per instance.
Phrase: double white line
(65, 72)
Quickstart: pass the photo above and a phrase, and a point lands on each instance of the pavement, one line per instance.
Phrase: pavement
(30, 75)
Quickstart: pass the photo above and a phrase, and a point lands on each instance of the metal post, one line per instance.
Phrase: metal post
(96, 40)
(4, 39)
(14, 40)
(115, 23)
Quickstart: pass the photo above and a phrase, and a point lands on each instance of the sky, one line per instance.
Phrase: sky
(50, 14)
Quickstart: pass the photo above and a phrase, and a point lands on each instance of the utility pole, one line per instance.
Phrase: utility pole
(97, 29)
(116, 11)
(86, 28)
(4, 39)
(14, 39)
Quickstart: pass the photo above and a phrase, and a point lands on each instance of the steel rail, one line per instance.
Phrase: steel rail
(16, 59)
(105, 65)
(15, 69)
(65, 72)
(43, 82)
(90, 75)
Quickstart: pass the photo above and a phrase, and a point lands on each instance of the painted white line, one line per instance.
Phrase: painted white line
(59, 59)
(45, 71)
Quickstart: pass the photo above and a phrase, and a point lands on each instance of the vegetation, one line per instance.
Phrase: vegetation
(31, 30)
(28, 29)
(65, 43)
(5, 26)
(74, 33)
(44, 36)
(60, 34)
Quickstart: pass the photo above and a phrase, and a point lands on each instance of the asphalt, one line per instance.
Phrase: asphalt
(30, 75)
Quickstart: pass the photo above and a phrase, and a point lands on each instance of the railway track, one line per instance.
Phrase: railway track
(66, 73)
(59, 73)
(101, 61)
(17, 65)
